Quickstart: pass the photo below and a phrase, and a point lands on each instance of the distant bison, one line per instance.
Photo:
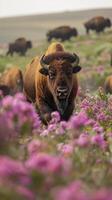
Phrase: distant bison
(97, 24)
(63, 33)
(11, 81)
(19, 46)
(108, 84)
(51, 82)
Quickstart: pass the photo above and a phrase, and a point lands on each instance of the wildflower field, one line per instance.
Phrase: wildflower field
(64, 160)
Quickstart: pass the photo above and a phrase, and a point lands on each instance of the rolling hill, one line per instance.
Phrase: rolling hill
(34, 27)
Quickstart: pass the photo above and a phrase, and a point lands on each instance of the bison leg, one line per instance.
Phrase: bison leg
(9, 52)
(68, 112)
(87, 30)
(44, 112)
(22, 53)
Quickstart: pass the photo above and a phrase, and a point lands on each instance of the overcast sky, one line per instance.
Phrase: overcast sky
(23, 7)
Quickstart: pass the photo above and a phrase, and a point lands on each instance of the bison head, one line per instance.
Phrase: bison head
(49, 36)
(74, 32)
(59, 68)
(29, 44)
(108, 22)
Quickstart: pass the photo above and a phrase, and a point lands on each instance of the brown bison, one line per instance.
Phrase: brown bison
(97, 24)
(11, 81)
(19, 46)
(51, 82)
(108, 84)
(62, 32)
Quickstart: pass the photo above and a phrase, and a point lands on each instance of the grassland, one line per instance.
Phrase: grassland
(94, 52)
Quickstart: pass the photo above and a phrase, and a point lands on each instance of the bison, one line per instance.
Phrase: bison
(19, 46)
(11, 81)
(97, 24)
(108, 84)
(62, 32)
(51, 82)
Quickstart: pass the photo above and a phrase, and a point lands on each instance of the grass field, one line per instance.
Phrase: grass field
(94, 52)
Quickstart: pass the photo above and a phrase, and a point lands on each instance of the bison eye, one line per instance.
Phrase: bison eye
(52, 75)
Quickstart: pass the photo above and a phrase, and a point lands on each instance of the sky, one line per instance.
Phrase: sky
(24, 7)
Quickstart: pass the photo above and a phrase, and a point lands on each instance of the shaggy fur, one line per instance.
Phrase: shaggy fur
(59, 55)
(108, 84)
(19, 46)
(13, 79)
(62, 32)
(97, 24)
(42, 90)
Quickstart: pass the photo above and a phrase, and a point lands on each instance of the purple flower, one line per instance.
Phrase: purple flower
(34, 147)
(65, 148)
(7, 102)
(98, 140)
(62, 127)
(103, 194)
(16, 113)
(73, 191)
(24, 192)
(45, 163)
(101, 117)
(78, 121)
(20, 96)
(44, 133)
(98, 128)
(83, 140)
(51, 127)
(55, 117)
(11, 168)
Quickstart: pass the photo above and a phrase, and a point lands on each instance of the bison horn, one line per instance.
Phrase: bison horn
(45, 60)
(76, 62)
(42, 62)
(44, 69)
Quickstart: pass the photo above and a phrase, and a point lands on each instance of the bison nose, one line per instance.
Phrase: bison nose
(62, 92)
(62, 89)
